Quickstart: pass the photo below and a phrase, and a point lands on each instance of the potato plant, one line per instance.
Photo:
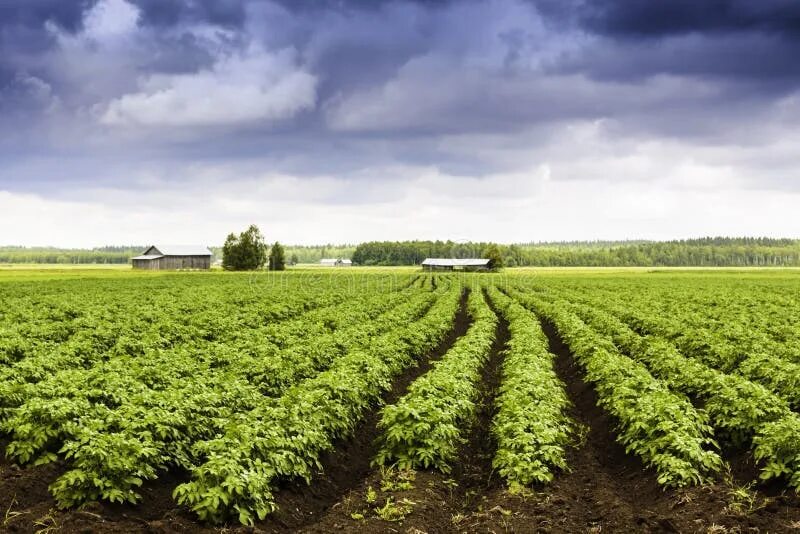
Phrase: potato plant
(169, 421)
(740, 411)
(658, 425)
(245, 381)
(532, 427)
(424, 428)
(285, 437)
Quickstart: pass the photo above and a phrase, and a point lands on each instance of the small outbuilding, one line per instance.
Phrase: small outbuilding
(170, 257)
(335, 262)
(451, 264)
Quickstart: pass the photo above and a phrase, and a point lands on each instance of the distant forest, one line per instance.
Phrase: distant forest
(705, 252)
(123, 254)
(110, 255)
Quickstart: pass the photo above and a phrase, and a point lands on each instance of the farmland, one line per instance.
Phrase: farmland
(377, 399)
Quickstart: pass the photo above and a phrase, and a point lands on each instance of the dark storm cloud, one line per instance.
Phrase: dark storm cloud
(763, 62)
(34, 14)
(392, 77)
(163, 13)
(23, 33)
(648, 18)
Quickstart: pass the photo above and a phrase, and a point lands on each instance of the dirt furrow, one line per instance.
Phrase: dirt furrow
(606, 487)
(474, 471)
(348, 463)
(431, 501)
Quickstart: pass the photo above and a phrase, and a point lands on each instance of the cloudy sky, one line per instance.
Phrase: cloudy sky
(133, 121)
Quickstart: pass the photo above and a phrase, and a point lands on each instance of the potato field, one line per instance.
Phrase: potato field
(390, 400)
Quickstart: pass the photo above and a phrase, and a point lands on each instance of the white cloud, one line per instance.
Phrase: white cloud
(413, 203)
(109, 19)
(251, 86)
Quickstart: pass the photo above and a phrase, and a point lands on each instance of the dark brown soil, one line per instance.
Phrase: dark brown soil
(28, 506)
(474, 472)
(606, 490)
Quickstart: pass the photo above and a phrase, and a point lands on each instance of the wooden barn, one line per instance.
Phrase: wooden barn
(170, 257)
(450, 264)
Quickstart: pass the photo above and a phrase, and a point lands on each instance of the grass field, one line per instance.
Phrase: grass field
(381, 399)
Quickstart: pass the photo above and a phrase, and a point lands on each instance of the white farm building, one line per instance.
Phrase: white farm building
(335, 262)
(451, 264)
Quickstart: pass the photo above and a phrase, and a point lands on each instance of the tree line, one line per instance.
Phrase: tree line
(102, 255)
(704, 252)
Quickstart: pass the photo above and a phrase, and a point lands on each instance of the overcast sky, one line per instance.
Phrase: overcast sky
(138, 121)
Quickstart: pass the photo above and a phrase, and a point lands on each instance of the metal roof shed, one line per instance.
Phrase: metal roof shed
(335, 262)
(456, 264)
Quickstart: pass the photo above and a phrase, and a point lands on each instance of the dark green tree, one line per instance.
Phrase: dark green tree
(230, 252)
(277, 258)
(245, 252)
(295, 260)
(492, 252)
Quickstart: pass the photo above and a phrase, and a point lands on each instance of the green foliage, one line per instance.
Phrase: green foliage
(777, 448)
(122, 420)
(492, 252)
(716, 252)
(245, 381)
(733, 344)
(660, 426)
(245, 252)
(531, 426)
(394, 510)
(284, 438)
(277, 258)
(397, 479)
(741, 409)
(424, 428)
(736, 406)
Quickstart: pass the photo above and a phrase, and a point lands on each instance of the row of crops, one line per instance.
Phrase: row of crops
(687, 387)
(245, 382)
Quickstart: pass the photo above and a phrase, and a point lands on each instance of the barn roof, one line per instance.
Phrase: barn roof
(180, 250)
(452, 262)
(148, 257)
